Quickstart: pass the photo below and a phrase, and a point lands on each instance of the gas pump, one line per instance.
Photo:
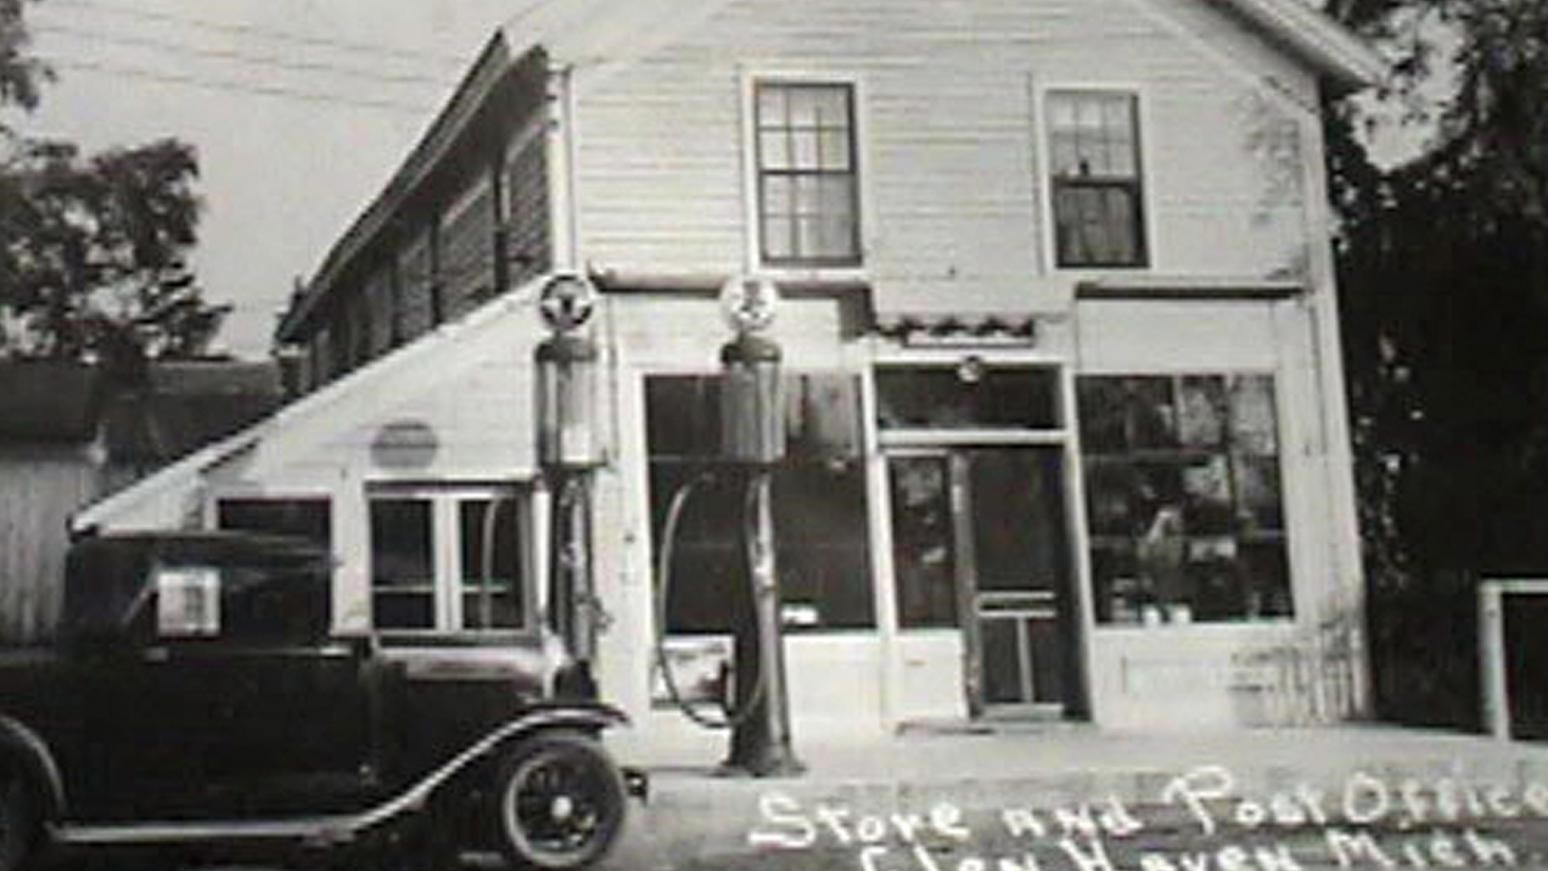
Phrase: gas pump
(752, 420)
(569, 451)
(752, 442)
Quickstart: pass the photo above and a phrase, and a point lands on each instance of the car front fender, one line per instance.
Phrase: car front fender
(23, 747)
(583, 715)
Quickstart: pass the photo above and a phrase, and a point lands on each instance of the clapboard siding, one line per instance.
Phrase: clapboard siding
(949, 152)
(39, 489)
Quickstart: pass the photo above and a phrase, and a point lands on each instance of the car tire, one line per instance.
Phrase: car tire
(18, 821)
(560, 802)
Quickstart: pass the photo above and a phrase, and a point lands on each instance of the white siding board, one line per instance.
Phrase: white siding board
(1180, 336)
(948, 156)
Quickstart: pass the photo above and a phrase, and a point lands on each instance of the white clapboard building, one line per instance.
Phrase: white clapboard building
(1060, 338)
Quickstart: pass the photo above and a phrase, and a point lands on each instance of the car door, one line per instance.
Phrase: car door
(130, 750)
(221, 698)
(284, 711)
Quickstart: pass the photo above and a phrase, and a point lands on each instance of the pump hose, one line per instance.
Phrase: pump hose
(733, 718)
(486, 580)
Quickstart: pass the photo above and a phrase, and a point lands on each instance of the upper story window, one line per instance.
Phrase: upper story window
(808, 181)
(1098, 188)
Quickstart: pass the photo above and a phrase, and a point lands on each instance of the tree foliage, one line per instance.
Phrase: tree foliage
(20, 73)
(1444, 281)
(93, 248)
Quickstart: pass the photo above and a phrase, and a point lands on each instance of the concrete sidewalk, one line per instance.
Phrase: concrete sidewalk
(693, 816)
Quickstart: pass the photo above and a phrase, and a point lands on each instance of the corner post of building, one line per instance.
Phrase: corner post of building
(753, 442)
(569, 451)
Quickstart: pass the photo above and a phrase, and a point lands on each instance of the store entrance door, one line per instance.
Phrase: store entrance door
(990, 522)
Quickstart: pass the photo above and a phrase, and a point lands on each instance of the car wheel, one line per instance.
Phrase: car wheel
(561, 801)
(18, 823)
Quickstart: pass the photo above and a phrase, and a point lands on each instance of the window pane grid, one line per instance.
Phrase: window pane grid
(427, 563)
(1184, 501)
(808, 199)
(1097, 191)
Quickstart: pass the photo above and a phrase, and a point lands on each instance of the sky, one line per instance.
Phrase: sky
(300, 111)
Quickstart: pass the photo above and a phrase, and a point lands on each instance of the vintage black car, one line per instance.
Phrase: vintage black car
(194, 698)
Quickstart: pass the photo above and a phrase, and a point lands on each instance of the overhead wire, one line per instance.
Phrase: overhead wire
(269, 60)
(373, 48)
(236, 86)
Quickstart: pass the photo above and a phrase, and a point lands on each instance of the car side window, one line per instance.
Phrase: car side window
(278, 604)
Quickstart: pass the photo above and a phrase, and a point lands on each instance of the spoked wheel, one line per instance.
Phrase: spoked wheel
(561, 801)
(18, 826)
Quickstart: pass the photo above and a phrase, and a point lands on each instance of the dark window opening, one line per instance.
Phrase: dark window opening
(940, 397)
(924, 554)
(491, 574)
(819, 502)
(308, 519)
(1183, 498)
(402, 564)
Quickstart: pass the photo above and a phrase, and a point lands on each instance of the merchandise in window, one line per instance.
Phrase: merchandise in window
(808, 194)
(1094, 158)
(1183, 498)
(923, 542)
(447, 561)
(819, 502)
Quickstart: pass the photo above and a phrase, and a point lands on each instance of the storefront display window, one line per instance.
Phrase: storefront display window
(1183, 498)
(822, 539)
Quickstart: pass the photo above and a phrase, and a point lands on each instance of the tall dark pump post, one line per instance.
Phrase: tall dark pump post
(752, 443)
(569, 451)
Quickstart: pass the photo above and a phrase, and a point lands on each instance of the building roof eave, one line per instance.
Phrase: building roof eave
(375, 377)
(1343, 58)
(478, 84)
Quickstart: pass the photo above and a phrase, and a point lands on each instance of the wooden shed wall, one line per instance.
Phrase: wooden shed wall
(39, 489)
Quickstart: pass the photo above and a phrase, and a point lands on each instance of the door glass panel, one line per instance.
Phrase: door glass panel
(1046, 645)
(1002, 662)
(1016, 509)
(923, 549)
(1018, 519)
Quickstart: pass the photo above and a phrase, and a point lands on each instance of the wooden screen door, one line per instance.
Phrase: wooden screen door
(1002, 543)
(1013, 568)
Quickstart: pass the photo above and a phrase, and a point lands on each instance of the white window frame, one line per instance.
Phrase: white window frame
(1301, 603)
(752, 221)
(1042, 146)
(446, 555)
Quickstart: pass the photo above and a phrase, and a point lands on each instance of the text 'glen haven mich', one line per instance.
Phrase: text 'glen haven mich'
(1366, 822)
